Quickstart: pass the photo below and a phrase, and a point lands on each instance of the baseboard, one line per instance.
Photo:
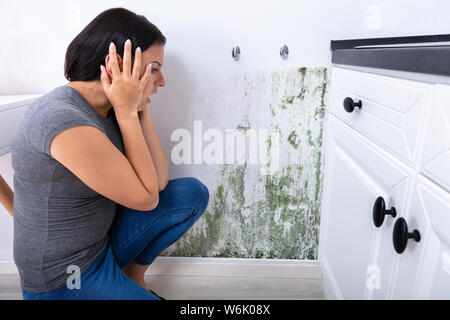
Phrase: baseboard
(221, 267)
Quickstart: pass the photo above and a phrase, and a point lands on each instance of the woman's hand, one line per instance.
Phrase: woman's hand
(6, 196)
(125, 91)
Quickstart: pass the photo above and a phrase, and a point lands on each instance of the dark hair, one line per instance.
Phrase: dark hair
(88, 50)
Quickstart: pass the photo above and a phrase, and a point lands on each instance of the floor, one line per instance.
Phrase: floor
(208, 288)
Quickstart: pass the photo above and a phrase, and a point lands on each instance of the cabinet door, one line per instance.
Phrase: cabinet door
(356, 257)
(435, 159)
(392, 109)
(430, 207)
(12, 110)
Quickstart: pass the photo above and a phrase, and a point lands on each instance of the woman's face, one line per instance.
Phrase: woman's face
(154, 55)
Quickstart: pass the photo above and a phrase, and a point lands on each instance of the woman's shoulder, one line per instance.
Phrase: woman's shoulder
(58, 104)
(51, 114)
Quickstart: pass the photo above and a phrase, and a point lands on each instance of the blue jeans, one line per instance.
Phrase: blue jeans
(138, 236)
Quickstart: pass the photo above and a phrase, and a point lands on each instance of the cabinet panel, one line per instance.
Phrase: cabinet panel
(9, 121)
(435, 159)
(392, 109)
(12, 110)
(408, 262)
(433, 204)
(356, 173)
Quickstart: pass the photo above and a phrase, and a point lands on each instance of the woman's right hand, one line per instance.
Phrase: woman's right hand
(125, 90)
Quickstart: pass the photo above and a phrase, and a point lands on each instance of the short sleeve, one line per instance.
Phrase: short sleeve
(49, 120)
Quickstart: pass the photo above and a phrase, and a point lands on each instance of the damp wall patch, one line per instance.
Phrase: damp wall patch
(257, 212)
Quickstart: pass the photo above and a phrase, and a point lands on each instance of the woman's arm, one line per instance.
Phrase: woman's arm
(153, 142)
(6, 196)
(154, 145)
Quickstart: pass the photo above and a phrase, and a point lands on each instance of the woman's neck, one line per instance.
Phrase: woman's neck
(93, 92)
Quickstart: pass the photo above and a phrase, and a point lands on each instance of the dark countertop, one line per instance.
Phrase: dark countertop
(421, 54)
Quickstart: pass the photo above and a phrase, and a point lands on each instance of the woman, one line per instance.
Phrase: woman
(93, 204)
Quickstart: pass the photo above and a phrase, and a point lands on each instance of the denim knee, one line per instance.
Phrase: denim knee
(201, 193)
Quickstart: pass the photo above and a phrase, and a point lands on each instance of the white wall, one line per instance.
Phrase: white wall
(34, 36)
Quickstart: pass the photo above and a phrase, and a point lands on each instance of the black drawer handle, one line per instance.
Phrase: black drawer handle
(379, 211)
(401, 235)
(349, 104)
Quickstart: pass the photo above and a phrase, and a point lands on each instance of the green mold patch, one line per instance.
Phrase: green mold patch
(302, 71)
(302, 93)
(272, 110)
(310, 139)
(276, 215)
(244, 125)
(292, 138)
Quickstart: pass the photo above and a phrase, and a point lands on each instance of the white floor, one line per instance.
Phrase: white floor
(209, 288)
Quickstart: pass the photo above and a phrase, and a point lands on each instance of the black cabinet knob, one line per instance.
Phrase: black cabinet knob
(349, 104)
(379, 211)
(401, 235)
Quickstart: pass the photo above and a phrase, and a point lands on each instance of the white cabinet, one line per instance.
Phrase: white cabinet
(436, 152)
(392, 110)
(424, 272)
(396, 146)
(357, 173)
(12, 109)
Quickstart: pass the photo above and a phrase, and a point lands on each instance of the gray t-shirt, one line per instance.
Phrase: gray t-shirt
(58, 220)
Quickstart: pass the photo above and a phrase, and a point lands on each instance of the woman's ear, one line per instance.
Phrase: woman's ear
(108, 64)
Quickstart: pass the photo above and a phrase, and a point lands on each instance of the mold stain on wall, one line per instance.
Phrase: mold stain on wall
(273, 216)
